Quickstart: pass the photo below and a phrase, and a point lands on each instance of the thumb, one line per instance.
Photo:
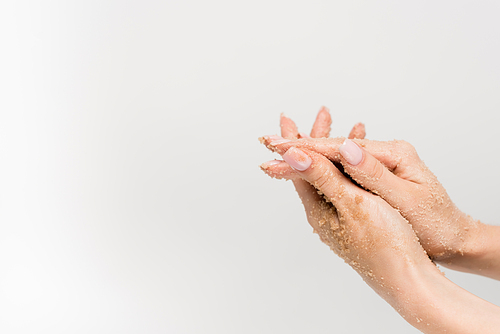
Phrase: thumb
(322, 174)
(368, 172)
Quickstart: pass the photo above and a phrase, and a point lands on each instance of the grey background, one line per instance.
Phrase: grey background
(130, 195)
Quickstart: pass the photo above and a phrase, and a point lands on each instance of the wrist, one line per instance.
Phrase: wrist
(465, 239)
(433, 304)
(413, 293)
(483, 258)
(478, 250)
(406, 283)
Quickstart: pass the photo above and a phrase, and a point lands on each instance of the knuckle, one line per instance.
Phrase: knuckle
(378, 171)
(322, 181)
(403, 144)
(375, 169)
(407, 149)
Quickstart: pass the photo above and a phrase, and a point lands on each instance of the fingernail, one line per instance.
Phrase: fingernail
(297, 159)
(270, 163)
(279, 141)
(351, 152)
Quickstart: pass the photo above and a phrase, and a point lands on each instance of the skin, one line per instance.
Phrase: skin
(394, 171)
(374, 238)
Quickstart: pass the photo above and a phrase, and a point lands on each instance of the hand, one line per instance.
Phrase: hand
(360, 227)
(318, 211)
(394, 171)
(377, 242)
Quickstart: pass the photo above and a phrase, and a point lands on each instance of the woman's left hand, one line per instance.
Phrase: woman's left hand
(351, 221)
(370, 235)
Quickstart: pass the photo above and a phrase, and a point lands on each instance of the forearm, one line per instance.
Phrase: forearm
(433, 304)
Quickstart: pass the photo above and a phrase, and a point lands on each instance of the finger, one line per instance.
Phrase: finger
(279, 169)
(283, 170)
(314, 205)
(325, 146)
(288, 128)
(388, 153)
(368, 172)
(358, 131)
(321, 126)
(322, 174)
(271, 141)
(321, 215)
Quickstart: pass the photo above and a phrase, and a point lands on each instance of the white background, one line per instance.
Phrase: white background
(130, 195)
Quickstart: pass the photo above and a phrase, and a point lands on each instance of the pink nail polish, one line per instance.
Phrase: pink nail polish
(297, 159)
(351, 152)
